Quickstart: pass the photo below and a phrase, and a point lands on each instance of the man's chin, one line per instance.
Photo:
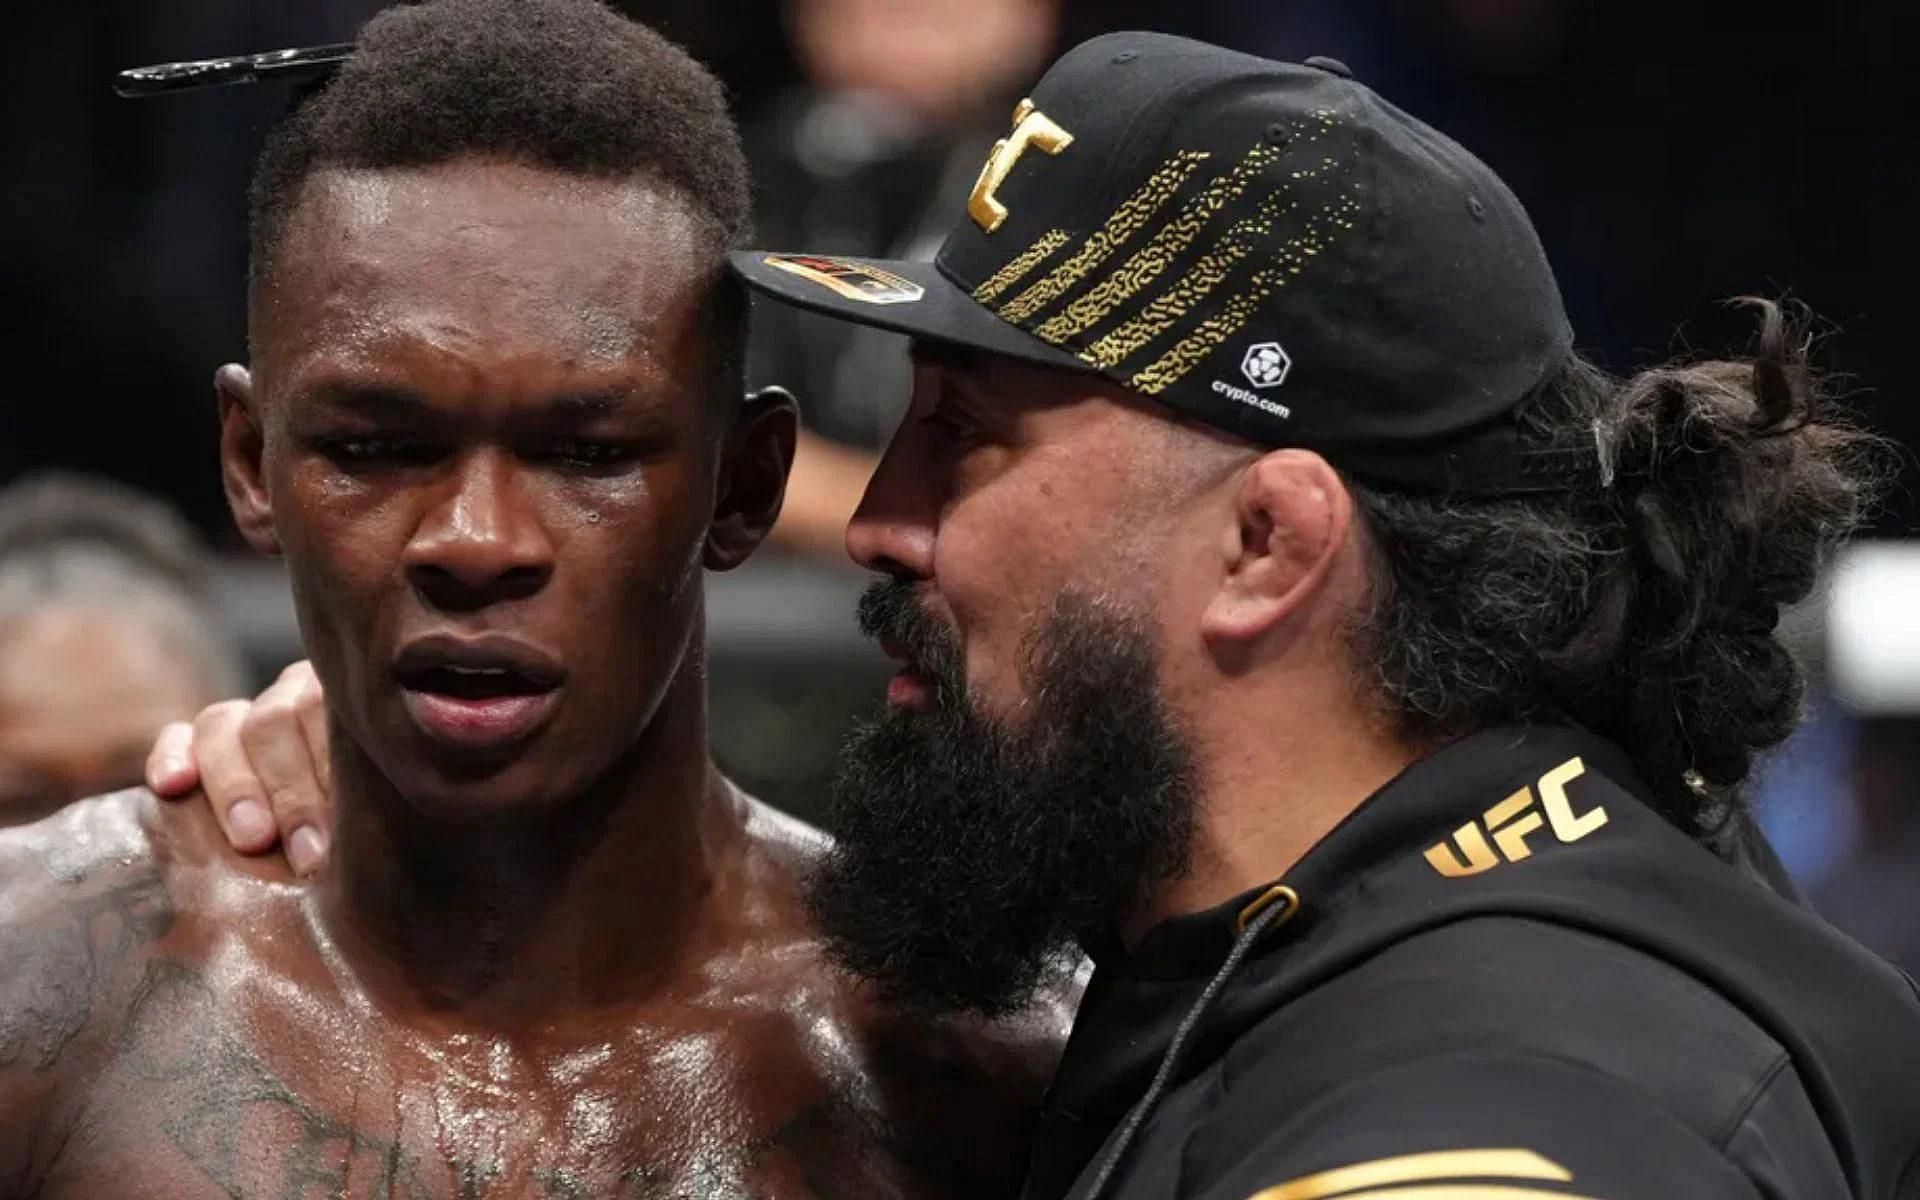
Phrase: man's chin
(438, 781)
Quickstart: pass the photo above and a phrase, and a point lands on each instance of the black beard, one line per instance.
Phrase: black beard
(971, 858)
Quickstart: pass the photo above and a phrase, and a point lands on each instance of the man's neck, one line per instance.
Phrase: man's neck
(1270, 798)
(508, 919)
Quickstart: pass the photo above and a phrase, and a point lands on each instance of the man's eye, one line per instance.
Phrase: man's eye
(586, 453)
(377, 450)
(949, 426)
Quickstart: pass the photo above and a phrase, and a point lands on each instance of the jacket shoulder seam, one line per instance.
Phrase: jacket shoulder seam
(1760, 1088)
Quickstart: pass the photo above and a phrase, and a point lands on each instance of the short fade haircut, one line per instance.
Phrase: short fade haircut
(568, 85)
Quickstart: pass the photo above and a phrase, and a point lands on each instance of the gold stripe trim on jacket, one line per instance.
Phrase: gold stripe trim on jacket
(1457, 1191)
(1367, 1177)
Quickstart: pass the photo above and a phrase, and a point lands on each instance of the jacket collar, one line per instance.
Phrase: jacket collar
(1410, 814)
(1364, 884)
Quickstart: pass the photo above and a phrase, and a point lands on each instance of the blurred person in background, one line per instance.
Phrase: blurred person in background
(1873, 890)
(902, 101)
(106, 635)
(1838, 797)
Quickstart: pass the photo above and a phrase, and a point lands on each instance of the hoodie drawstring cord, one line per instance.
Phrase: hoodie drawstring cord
(1259, 916)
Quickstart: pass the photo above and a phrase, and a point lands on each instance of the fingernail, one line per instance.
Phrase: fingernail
(305, 848)
(250, 823)
(173, 765)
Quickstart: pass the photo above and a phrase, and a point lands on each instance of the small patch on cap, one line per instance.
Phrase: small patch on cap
(854, 280)
(1331, 66)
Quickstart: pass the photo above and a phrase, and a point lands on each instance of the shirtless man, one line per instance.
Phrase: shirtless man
(492, 422)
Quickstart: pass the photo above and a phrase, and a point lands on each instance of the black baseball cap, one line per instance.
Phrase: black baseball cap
(1267, 247)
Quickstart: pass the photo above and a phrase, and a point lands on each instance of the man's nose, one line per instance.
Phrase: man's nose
(482, 542)
(892, 532)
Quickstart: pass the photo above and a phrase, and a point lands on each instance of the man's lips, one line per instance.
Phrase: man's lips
(478, 694)
(908, 688)
(490, 724)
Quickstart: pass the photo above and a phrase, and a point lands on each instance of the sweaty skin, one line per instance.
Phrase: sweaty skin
(554, 957)
(174, 1022)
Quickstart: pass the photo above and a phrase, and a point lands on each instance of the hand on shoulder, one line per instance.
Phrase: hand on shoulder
(260, 766)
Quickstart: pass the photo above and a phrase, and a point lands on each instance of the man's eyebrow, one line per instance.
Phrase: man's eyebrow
(369, 399)
(387, 401)
(587, 405)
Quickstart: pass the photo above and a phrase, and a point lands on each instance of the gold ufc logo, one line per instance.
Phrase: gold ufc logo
(1512, 820)
(1031, 127)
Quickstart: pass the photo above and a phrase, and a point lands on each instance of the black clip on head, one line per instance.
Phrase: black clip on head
(304, 64)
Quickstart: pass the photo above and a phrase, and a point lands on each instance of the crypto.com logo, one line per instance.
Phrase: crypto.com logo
(1265, 365)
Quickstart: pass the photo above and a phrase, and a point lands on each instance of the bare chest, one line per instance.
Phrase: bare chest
(285, 1098)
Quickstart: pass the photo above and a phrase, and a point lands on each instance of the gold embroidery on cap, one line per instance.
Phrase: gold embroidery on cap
(1194, 285)
(1191, 285)
(1338, 214)
(1291, 257)
(1126, 221)
(1022, 263)
(1168, 307)
(1150, 260)
(1172, 366)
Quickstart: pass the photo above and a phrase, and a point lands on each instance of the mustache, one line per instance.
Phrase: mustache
(890, 610)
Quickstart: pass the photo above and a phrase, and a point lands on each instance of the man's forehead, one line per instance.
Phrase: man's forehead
(498, 225)
(372, 193)
(472, 255)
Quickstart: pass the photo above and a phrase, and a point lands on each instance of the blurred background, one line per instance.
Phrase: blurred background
(1673, 155)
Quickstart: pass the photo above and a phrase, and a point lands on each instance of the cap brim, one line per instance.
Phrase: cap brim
(913, 298)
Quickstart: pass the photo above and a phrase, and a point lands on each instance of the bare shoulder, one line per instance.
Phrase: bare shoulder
(85, 895)
(90, 898)
(784, 837)
(58, 875)
(82, 904)
(121, 842)
(71, 844)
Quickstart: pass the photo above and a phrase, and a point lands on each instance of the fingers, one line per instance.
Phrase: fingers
(310, 706)
(280, 735)
(171, 772)
(235, 791)
(262, 764)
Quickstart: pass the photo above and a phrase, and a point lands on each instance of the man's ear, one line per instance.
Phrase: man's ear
(1292, 513)
(242, 446)
(754, 462)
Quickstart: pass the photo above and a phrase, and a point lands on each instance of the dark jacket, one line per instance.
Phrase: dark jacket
(1504, 969)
